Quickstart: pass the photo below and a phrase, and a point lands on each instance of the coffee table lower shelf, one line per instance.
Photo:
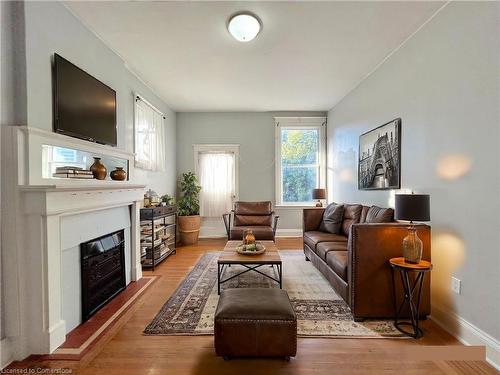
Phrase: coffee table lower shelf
(249, 267)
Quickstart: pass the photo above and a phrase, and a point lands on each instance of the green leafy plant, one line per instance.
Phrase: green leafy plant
(168, 199)
(189, 203)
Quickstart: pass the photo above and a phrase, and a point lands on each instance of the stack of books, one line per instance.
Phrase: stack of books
(73, 172)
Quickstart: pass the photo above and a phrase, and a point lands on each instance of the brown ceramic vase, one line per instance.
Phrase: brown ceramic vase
(98, 169)
(118, 174)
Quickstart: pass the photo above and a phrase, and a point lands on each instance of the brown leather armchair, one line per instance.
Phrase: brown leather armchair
(257, 216)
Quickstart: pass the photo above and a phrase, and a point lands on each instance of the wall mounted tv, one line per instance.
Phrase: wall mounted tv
(84, 107)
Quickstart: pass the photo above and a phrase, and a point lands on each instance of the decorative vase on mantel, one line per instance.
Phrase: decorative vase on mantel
(118, 174)
(98, 169)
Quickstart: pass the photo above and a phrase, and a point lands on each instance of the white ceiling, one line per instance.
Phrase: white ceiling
(308, 56)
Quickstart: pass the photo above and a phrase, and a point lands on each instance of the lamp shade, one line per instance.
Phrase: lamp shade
(412, 207)
(319, 194)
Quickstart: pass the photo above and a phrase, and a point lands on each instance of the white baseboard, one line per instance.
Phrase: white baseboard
(6, 353)
(288, 232)
(467, 333)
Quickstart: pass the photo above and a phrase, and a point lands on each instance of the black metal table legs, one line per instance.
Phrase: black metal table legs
(254, 267)
(412, 292)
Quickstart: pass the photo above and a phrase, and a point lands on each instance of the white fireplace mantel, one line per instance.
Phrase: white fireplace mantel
(43, 208)
(32, 211)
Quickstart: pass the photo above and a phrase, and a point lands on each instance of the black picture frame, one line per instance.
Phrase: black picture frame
(384, 144)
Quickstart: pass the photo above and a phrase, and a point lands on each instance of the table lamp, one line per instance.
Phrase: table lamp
(319, 194)
(412, 207)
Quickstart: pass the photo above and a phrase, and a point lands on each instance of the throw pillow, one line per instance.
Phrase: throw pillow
(379, 215)
(332, 218)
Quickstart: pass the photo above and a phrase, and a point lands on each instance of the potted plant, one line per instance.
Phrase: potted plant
(188, 209)
(167, 200)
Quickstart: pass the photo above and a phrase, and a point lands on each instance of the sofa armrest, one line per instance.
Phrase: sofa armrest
(369, 273)
(311, 218)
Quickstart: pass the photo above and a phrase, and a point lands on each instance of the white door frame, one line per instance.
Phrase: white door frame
(233, 148)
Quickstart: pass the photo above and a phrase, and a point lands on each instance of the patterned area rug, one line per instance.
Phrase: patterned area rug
(320, 311)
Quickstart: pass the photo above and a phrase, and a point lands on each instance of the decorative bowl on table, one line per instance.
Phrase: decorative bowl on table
(252, 249)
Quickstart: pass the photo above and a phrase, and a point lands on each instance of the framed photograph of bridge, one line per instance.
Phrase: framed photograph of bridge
(379, 165)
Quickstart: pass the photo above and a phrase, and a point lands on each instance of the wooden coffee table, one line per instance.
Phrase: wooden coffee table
(229, 256)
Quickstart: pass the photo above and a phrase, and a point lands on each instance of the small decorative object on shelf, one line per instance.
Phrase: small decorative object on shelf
(98, 169)
(73, 172)
(158, 234)
(412, 207)
(118, 174)
(319, 194)
(167, 200)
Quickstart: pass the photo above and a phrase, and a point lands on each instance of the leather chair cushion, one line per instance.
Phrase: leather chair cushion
(253, 208)
(252, 220)
(352, 215)
(323, 248)
(337, 260)
(314, 237)
(260, 232)
(379, 215)
(255, 304)
(332, 218)
(252, 213)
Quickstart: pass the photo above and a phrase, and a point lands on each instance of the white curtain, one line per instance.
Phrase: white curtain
(217, 182)
(149, 137)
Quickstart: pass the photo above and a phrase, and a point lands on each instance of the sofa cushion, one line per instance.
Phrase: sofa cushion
(314, 237)
(364, 211)
(332, 218)
(323, 248)
(352, 215)
(260, 232)
(379, 215)
(337, 260)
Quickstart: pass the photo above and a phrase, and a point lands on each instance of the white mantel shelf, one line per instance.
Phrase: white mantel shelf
(100, 185)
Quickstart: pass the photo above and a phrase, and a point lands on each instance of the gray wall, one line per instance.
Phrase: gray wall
(51, 28)
(444, 84)
(254, 132)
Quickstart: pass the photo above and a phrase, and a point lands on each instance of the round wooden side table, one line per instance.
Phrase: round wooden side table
(412, 292)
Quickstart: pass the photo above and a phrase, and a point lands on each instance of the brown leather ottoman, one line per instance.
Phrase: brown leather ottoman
(255, 323)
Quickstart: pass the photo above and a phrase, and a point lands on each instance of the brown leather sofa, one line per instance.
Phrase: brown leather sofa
(257, 216)
(356, 261)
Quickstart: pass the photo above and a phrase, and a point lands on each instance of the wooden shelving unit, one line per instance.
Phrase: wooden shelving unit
(158, 235)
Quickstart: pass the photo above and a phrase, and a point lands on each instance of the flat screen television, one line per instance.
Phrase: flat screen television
(84, 107)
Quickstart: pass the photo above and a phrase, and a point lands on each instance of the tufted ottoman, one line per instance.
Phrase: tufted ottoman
(255, 323)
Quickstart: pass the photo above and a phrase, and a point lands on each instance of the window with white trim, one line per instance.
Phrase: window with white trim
(149, 136)
(300, 155)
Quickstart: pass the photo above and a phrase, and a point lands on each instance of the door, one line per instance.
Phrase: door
(216, 167)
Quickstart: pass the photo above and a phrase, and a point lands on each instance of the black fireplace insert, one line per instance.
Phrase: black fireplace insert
(102, 270)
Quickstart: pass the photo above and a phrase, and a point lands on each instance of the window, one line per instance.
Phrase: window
(149, 136)
(300, 155)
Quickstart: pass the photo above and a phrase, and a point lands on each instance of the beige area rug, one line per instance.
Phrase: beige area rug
(320, 311)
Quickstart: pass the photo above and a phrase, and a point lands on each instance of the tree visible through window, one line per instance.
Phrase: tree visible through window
(300, 164)
(300, 152)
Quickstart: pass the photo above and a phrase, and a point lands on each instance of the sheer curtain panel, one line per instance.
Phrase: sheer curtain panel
(217, 182)
(149, 137)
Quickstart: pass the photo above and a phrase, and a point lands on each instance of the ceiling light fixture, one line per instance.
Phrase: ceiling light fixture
(244, 26)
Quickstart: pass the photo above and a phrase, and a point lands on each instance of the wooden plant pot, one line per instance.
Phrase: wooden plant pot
(189, 229)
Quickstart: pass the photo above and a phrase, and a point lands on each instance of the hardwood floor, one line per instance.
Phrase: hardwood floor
(125, 350)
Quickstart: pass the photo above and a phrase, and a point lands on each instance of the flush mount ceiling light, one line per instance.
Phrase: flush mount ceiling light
(244, 26)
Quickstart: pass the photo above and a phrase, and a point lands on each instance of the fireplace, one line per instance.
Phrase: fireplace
(102, 271)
